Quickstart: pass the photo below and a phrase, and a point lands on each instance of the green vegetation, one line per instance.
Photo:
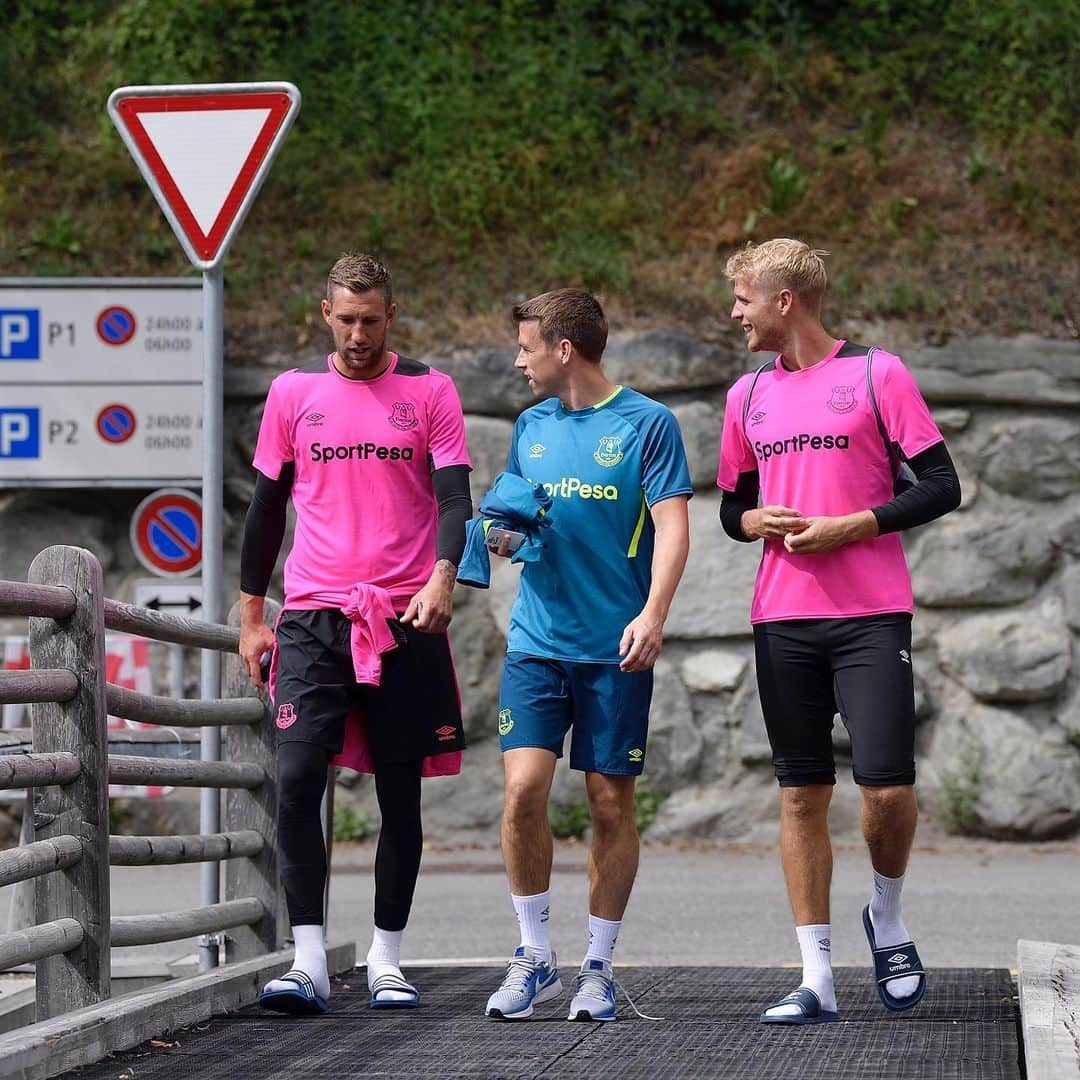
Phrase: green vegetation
(570, 820)
(960, 791)
(487, 149)
(349, 825)
(121, 816)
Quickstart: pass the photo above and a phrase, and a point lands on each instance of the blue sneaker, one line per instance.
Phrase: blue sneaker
(527, 982)
(594, 993)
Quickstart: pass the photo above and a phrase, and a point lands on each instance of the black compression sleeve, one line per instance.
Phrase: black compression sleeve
(936, 493)
(455, 508)
(733, 504)
(264, 528)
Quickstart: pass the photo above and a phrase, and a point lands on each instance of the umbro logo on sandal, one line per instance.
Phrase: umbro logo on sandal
(898, 958)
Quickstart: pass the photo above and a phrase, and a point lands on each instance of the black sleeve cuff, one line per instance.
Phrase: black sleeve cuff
(936, 493)
(733, 504)
(451, 486)
(264, 529)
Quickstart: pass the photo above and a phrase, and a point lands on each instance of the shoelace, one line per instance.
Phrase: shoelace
(622, 990)
(518, 971)
(584, 978)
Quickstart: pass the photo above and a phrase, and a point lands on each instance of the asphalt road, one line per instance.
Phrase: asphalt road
(966, 903)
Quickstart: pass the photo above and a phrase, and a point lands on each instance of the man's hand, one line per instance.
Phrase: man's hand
(644, 637)
(828, 533)
(502, 548)
(255, 639)
(431, 609)
(772, 521)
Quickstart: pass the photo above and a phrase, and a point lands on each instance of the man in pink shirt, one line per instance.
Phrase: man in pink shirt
(370, 446)
(818, 436)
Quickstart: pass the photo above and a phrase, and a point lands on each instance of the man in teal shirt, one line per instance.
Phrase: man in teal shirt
(585, 631)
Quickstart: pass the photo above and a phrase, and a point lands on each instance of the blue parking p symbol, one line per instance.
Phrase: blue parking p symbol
(20, 433)
(20, 334)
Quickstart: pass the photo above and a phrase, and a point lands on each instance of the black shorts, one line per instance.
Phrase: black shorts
(414, 712)
(810, 669)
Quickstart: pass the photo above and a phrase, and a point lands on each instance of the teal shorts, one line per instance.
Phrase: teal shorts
(607, 708)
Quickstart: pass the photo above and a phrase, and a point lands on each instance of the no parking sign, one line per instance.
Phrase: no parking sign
(166, 532)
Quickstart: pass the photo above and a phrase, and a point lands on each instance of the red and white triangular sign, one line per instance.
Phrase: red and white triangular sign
(204, 151)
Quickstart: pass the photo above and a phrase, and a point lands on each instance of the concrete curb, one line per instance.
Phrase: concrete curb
(1049, 978)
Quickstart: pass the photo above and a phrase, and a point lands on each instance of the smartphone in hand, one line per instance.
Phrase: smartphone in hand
(496, 534)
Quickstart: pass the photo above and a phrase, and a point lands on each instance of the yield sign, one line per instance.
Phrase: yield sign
(204, 150)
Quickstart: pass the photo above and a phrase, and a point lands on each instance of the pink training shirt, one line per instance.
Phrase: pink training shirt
(364, 450)
(813, 439)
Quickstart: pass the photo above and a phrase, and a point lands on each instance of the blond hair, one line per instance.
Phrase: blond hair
(359, 273)
(569, 314)
(782, 264)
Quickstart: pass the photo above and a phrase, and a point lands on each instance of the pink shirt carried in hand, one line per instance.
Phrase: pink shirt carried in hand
(364, 450)
(814, 441)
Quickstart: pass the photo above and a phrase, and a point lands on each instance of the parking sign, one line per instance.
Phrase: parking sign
(20, 334)
(20, 433)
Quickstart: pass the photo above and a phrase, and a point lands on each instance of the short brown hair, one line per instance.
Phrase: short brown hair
(782, 264)
(358, 273)
(569, 314)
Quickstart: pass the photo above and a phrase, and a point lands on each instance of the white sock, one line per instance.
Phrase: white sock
(532, 913)
(602, 936)
(815, 943)
(889, 928)
(384, 958)
(310, 958)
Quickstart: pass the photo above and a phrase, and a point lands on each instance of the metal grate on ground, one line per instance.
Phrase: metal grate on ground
(964, 1029)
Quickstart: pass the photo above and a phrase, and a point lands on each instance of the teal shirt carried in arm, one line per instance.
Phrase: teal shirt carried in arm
(604, 466)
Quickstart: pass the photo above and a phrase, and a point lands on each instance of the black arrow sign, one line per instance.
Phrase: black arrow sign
(192, 603)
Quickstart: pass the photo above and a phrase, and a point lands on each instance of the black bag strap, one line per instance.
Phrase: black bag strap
(896, 455)
(750, 393)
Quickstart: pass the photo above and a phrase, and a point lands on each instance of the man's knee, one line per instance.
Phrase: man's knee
(525, 799)
(889, 800)
(809, 803)
(611, 806)
(302, 771)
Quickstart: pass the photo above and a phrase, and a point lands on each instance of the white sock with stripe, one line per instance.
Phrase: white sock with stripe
(310, 958)
(384, 958)
(533, 913)
(602, 936)
(815, 943)
(889, 928)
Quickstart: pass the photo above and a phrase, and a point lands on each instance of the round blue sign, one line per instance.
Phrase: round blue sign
(116, 423)
(166, 532)
(116, 325)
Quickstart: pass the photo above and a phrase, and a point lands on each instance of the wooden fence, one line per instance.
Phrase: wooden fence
(70, 768)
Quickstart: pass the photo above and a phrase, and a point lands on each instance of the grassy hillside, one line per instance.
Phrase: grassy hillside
(493, 149)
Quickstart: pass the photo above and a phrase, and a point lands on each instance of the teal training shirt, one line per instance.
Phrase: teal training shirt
(604, 466)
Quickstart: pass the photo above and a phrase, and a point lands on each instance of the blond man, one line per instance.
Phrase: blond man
(836, 443)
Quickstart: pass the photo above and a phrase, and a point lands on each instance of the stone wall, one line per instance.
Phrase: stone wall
(997, 586)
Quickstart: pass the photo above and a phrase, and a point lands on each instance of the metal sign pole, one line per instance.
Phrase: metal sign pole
(213, 584)
(204, 150)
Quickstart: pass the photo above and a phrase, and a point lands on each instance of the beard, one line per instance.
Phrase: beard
(364, 362)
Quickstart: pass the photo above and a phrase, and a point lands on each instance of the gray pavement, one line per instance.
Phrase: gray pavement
(966, 903)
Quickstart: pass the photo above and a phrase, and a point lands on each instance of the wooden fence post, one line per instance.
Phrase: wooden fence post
(81, 808)
(256, 809)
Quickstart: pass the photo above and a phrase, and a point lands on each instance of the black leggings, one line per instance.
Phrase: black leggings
(302, 771)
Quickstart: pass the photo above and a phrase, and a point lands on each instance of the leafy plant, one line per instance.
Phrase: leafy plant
(569, 820)
(960, 790)
(646, 803)
(349, 825)
(786, 183)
